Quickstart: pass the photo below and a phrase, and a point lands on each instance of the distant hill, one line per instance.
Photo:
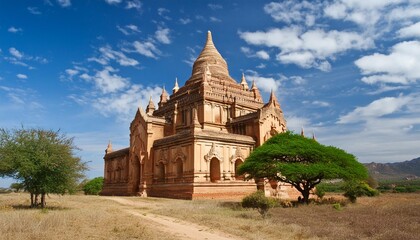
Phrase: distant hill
(395, 171)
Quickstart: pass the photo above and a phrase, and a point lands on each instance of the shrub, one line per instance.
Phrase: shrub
(284, 203)
(337, 206)
(354, 189)
(94, 186)
(17, 187)
(320, 192)
(258, 201)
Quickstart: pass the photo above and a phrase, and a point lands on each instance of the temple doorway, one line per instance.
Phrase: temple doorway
(214, 170)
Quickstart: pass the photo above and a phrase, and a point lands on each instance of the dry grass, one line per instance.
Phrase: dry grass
(389, 216)
(70, 217)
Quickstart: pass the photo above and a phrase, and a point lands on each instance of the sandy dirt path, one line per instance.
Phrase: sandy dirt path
(176, 227)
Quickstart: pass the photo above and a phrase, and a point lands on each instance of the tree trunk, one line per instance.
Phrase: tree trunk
(36, 200)
(32, 200)
(43, 200)
(305, 194)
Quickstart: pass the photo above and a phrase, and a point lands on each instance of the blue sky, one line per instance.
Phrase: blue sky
(346, 70)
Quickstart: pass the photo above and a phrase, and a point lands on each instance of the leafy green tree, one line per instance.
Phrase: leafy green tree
(94, 186)
(302, 162)
(17, 187)
(42, 160)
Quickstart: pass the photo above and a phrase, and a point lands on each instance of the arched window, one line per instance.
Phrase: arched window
(179, 168)
(161, 171)
(214, 170)
(238, 162)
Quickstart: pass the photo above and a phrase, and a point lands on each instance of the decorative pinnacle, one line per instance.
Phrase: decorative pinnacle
(176, 87)
(109, 147)
(273, 98)
(150, 107)
(254, 86)
(209, 38)
(244, 83)
(313, 135)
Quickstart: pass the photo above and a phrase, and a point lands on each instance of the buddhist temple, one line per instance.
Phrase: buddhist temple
(191, 142)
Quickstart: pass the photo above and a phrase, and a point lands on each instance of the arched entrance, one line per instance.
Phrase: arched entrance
(214, 170)
(161, 171)
(238, 162)
(179, 168)
(136, 174)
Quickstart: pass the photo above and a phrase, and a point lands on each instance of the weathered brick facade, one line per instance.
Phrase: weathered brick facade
(190, 146)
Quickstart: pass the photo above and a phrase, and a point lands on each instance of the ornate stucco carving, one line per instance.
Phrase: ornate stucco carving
(237, 155)
(213, 153)
(163, 157)
(179, 154)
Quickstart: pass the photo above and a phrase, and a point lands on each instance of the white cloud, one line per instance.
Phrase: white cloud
(184, 20)
(14, 52)
(259, 54)
(34, 10)
(401, 66)
(14, 30)
(21, 76)
(107, 54)
(147, 49)
(72, 72)
(296, 123)
(124, 104)
(162, 35)
(265, 84)
(404, 12)
(293, 12)
(133, 4)
(410, 31)
(162, 12)
(364, 13)
(112, 94)
(22, 98)
(215, 6)
(128, 29)
(375, 109)
(263, 55)
(64, 3)
(113, 1)
(297, 80)
(261, 66)
(107, 81)
(321, 103)
(308, 49)
(378, 132)
(215, 19)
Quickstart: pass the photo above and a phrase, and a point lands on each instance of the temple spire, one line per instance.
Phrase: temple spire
(163, 97)
(257, 94)
(254, 86)
(302, 132)
(209, 41)
(176, 87)
(210, 58)
(313, 135)
(273, 99)
(108, 148)
(150, 107)
(244, 83)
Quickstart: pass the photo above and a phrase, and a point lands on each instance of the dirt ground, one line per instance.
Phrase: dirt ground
(173, 226)
(389, 216)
